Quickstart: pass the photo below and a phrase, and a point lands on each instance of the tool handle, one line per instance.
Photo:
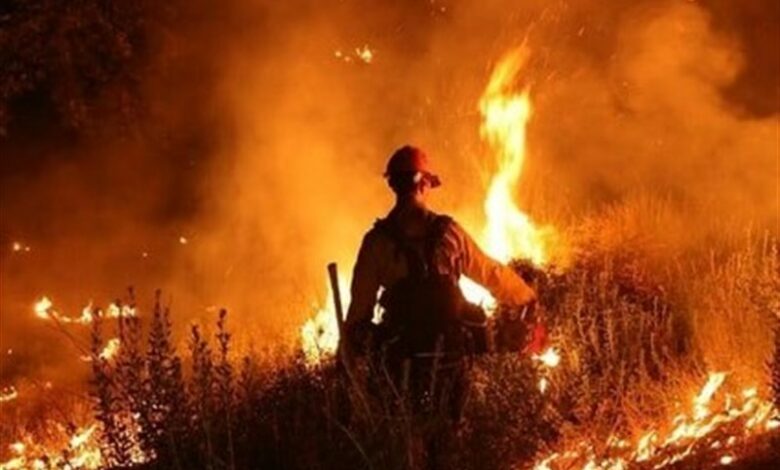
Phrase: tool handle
(333, 275)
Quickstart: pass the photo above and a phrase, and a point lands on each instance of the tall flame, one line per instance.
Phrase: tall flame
(509, 232)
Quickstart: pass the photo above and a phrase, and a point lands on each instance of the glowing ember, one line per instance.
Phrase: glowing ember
(18, 247)
(109, 351)
(544, 384)
(8, 394)
(550, 358)
(365, 54)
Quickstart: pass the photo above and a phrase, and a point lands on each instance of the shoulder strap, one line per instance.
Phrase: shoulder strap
(417, 265)
(438, 228)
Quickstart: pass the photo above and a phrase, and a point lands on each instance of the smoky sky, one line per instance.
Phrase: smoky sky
(257, 152)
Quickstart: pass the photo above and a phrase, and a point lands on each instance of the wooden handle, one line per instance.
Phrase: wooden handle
(333, 274)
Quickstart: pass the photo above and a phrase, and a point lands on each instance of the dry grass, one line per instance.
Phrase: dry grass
(638, 319)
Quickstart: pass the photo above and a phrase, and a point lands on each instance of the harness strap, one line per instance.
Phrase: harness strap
(420, 266)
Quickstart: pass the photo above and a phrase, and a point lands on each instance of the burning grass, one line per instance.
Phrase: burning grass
(653, 368)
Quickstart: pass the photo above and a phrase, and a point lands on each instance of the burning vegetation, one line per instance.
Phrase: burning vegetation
(636, 354)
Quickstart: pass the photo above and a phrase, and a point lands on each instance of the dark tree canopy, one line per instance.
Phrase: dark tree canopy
(82, 61)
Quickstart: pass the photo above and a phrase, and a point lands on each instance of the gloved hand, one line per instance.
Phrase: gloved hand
(537, 341)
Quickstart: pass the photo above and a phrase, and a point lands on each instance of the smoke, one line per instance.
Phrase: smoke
(627, 101)
(276, 132)
(654, 119)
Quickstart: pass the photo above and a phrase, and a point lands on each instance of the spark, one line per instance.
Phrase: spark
(727, 460)
(183, 240)
(550, 357)
(8, 394)
(365, 54)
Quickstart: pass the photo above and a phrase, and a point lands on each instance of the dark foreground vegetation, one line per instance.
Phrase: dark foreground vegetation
(634, 340)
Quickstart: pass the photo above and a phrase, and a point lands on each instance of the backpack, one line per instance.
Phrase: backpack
(423, 310)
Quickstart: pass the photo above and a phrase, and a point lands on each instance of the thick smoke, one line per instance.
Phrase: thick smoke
(627, 101)
(280, 131)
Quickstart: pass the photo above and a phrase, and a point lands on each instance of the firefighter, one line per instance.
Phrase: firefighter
(415, 257)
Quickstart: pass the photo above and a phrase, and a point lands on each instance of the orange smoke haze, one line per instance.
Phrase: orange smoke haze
(280, 116)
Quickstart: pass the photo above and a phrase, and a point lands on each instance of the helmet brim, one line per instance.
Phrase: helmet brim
(432, 179)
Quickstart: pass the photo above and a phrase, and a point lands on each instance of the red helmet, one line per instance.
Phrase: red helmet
(411, 160)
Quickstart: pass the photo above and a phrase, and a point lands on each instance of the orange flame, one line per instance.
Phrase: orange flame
(320, 334)
(665, 446)
(44, 309)
(509, 232)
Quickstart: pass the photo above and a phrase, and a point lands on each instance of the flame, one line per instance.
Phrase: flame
(83, 452)
(109, 351)
(80, 449)
(741, 416)
(44, 309)
(320, 334)
(509, 232)
(68, 448)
